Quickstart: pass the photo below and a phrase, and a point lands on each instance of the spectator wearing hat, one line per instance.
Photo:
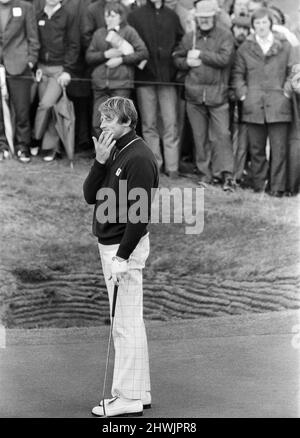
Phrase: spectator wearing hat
(160, 29)
(241, 29)
(206, 56)
(261, 69)
(239, 132)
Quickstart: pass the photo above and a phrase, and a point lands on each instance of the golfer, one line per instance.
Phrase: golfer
(123, 163)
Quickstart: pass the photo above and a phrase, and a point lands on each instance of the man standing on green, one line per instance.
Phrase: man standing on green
(123, 160)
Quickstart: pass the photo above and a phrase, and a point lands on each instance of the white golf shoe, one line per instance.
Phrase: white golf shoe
(119, 407)
(146, 400)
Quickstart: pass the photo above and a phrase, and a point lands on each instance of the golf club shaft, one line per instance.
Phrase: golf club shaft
(109, 342)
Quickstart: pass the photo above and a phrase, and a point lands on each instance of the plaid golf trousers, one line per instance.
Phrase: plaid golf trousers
(131, 377)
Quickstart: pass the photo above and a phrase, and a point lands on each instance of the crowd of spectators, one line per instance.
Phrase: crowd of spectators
(216, 82)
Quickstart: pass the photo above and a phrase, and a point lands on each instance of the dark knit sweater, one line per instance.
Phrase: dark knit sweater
(137, 166)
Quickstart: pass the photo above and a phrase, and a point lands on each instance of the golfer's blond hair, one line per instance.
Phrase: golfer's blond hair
(120, 107)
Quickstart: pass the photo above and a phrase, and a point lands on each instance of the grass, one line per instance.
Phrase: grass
(46, 229)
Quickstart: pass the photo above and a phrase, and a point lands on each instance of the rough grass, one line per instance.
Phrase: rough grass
(45, 222)
(46, 230)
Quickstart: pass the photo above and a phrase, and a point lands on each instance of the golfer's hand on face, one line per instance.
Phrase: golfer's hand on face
(103, 146)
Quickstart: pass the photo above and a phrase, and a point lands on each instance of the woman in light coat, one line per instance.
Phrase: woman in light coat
(262, 66)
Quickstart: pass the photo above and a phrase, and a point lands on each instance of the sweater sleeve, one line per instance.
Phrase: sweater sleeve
(90, 25)
(239, 74)
(32, 34)
(143, 176)
(72, 42)
(93, 182)
(180, 53)
(293, 59)
(94, 55)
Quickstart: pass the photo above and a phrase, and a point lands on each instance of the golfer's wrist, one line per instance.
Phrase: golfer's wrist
(101, 160)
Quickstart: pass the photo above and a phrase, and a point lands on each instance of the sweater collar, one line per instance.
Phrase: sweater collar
(125, 139)
(265, 43)
(51, 12)
(274, 49)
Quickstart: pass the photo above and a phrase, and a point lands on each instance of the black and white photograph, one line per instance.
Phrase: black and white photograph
(149, 213)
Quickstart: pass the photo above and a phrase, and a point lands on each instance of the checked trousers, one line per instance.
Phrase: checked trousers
(131, 377)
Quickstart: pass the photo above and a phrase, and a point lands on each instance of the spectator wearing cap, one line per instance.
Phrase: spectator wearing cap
(241, 29)
(205, 55)
(160, 29)
(261, 69)
(239, 132)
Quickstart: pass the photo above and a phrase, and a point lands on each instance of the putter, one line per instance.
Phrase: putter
(109, 343)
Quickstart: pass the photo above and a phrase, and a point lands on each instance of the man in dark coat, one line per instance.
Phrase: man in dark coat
(124, 165)
(19, 46)
(261, 69)
(59, 38)
(94, 19)
(160, 29)
(79, 89)
(239, 131)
